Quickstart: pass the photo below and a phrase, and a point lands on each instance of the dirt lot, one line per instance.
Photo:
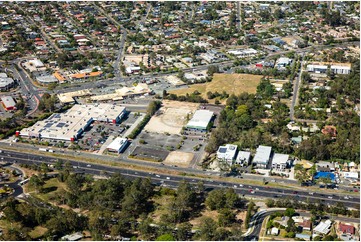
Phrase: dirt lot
(181, 159)
(231, 83)
(171, 117)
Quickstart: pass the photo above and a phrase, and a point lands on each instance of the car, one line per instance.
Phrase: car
(257, 189)
(295, 192)
(311, 193)
(240, 185)
(168, 178)
(330, 197)
(253, 192)
(157, 175)
(235, 186)
(346, 197)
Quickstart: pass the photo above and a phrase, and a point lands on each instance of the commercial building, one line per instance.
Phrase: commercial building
(70, 125)
(243, 158)
(283, 62)
(322, 67)
(200, 120)
(6, 82)
(280, 161)
(262, 156)
(227, 153)
(242, 53)
(118, 145)
(46, 79)
(8, 103)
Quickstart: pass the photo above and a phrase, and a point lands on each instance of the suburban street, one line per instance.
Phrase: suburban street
(296, 88)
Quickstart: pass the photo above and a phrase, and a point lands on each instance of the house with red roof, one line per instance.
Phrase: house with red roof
(346, 229)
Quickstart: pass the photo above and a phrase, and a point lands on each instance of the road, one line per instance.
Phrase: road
(116, 64)
(18, 190)
(173, 180)
(296, 89)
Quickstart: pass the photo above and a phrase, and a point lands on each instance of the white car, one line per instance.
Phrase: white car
(311, 193)
(240, 185)
(330, 197)
(235, 186)
(346, 197)
(168, 178)
(88, 165)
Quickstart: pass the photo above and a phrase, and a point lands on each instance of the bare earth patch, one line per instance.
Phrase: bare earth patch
(171, 117)
(179, 158)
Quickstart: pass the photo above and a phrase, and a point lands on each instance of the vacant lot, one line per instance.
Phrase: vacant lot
(171, 117)
(230, 83)
(179, 158)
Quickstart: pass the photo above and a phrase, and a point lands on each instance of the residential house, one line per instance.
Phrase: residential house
(346, 229)
(280, 161)
(306, 224)
(305, 237)
(227, 153)
(323, 228)
(243, 158)
(262, 156)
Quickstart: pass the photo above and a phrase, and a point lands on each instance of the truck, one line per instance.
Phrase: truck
(51, 151)
(43, 149)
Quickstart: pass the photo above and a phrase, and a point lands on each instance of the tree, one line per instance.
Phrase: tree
(153, 107)
(184, 229)
(226, 217)
(212, 69)
(207, 229)
(145, 229)
(290, 212)
(165, 237)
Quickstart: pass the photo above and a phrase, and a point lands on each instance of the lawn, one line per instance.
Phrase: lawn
(230, 83)
(51, 187)
(37, 232)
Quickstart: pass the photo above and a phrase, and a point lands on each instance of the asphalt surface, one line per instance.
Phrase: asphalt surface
(172, 180)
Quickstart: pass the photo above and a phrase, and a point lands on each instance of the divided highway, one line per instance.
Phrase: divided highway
(172, 180)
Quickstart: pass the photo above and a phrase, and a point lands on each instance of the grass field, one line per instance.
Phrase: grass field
(37, 232)
(230, 83)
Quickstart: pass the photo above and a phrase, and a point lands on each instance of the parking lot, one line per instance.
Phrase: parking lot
(157, 146)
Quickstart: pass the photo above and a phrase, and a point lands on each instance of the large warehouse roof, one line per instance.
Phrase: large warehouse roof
(200, 119)
(68, 125)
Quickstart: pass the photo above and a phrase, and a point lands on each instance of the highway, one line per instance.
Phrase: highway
(173, 180)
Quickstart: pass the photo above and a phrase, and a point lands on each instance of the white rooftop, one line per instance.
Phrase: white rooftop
(280, 158)
(323, 227)
(8, 101)
(200, 119)
(65, 126)
(227, 152)
(262, 154)
(117, 144)
(243, 156)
